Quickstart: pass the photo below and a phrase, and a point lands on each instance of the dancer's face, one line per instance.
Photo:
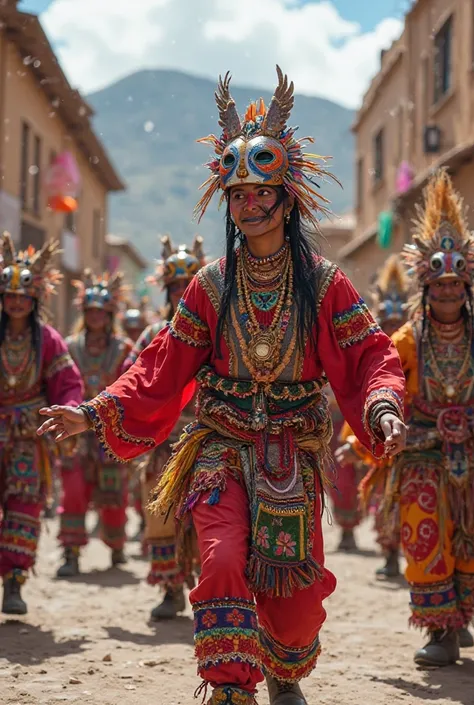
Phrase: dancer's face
(446, 298)
(252, 207)
(17, 305)
(176, 292)
(96, 319)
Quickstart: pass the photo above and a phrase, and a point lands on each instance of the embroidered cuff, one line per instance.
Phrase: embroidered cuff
(380, 402)
(188, 327)
(105, 413)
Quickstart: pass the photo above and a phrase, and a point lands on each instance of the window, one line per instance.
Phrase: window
(37, 176)
(25, 149)
(378, 156)
(70, 222)
(31, 235)
(360, 182)
(96, 234)
(442, 60)
(425, 87)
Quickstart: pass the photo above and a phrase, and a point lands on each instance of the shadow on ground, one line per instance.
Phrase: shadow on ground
(177, 631)
(454, 682)
(29, 645)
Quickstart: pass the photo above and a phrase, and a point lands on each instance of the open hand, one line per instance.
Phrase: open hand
(345, 455)
(395, 433)
(64, 422)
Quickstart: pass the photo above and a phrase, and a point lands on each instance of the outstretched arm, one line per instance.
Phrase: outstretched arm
(140, 409)
(363, 368)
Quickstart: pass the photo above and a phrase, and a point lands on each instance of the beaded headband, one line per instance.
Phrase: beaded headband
(262, 149)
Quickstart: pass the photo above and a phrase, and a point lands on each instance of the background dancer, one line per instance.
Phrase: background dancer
(433, 480)
(169, 568)
(99, 349)
(35, 367)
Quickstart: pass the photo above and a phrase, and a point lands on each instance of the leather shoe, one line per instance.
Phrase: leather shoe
(441, 650)
(284, 692)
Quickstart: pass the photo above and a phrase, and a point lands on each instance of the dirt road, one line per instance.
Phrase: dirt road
(88, 641)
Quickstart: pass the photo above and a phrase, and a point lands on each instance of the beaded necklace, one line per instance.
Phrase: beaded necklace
(450, 384)
(16, 358)
(448, 332)
(262, 354)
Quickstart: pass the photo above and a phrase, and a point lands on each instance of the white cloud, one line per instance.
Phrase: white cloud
(100, 41)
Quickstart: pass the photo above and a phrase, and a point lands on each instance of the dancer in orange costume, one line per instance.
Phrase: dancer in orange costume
(260, 328)
(432, 482)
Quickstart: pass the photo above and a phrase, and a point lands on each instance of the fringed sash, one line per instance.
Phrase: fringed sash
(283, 465)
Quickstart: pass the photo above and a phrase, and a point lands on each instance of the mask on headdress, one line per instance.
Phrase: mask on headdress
(105, 291)
(390, 292)
(136, 318)
(179, 264)
(29, 272)
(263, 150)
(443, 246)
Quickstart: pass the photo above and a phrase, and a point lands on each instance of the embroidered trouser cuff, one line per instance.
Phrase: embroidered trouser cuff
(239, 636)
(19, 534)
(72, 530)
(449, 604)
(285, 663)
(164, 569)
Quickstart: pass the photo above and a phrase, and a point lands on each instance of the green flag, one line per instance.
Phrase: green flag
(385, 229)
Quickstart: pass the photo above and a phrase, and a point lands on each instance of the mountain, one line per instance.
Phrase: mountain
(149, 122)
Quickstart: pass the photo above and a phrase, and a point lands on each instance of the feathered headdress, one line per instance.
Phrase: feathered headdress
(390, 292)
(29, 272)
(263, 149)
(442, 245)
(106, 291)
(180, 263)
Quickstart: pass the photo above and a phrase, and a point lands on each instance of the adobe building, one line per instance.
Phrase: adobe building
(417, 115)
(41, 115)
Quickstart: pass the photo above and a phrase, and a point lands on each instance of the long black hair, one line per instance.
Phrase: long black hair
(34, 322)
(306, 272)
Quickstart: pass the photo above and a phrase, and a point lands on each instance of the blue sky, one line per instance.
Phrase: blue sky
(36, 6)
(330, 48)
(367, 12)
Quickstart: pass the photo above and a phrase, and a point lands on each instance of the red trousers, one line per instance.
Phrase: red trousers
(345, 497)
(238, 635)
(77, 494)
